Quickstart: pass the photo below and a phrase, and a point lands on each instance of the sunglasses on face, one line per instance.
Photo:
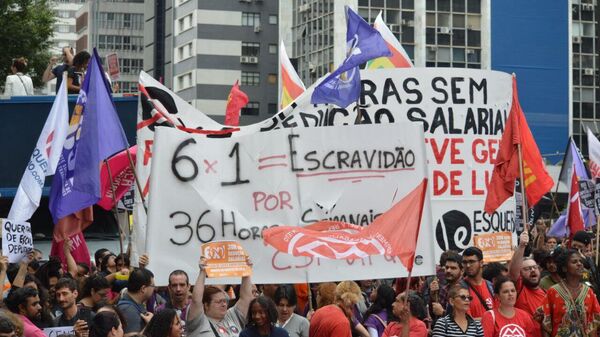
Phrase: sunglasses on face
(465, 297)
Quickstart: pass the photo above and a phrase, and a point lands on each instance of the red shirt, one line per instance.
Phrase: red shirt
(529, 300)
(476, 309)
(496, 325)
(416, 329)
(329, 321)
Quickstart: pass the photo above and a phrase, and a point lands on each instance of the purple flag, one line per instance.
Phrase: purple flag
(95, 133)
(364, 43)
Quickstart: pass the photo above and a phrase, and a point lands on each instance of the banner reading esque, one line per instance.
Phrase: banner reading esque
(206, 189)
(462, 112)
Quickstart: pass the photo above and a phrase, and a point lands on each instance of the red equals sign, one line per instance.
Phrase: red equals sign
(269, 160)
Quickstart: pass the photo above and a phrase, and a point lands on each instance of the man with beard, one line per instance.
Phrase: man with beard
(25, 302)
(481, 290)
(452, 275)
(179, 294)
(526, 274)
(71, 315)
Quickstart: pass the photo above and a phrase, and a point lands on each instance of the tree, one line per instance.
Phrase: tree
(26, 27)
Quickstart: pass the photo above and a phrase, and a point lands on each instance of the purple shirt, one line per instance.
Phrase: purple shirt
(373, 322)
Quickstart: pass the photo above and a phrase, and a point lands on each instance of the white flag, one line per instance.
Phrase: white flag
(44, 158)
(594, 152)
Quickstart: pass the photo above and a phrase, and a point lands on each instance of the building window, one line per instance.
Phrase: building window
(272, 78)
(251, 109)
(131, 66)
(180, 2)
(272, 49)
(250, 78)
(272, 19)
(250, 48)
(272, 108)
(121, 21)
(118, 42)
(184, 52)
(184, 23)
(184, 81)
(250, 19)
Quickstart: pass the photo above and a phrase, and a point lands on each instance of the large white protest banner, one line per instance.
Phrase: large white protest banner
(16, 239)
(205, 189)
(462, 112)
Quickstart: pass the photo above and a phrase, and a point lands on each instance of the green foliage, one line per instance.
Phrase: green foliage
(26, 27)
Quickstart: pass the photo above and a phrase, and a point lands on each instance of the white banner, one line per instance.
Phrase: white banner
(58, 331)
(462, 112)
(16, 239)
(206, 189)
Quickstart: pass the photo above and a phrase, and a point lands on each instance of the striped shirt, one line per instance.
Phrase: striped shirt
(447, 327)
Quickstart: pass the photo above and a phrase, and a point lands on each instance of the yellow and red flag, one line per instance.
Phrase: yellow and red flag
(235, 102)
(291, 84)
(399, 58)
(506, 170)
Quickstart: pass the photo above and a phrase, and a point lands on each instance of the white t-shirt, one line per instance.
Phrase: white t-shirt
(18, 85)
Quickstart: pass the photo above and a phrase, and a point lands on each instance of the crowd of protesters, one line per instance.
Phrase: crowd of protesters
(548, 288)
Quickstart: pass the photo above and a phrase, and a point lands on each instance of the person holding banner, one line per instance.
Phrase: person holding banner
(208, 315)
(571, 307)
(525, 272)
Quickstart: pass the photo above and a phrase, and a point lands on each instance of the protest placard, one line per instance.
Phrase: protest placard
(462, 112)
(16, 239)
(113, 66)
(225, 259)
(586, 193)
(211, 189)
(59, 330)
(597, 196)
(496, 247)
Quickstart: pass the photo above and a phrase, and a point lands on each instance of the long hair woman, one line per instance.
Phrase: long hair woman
(106, 324)
(380, 312)
(571, 307)
(506, 315)
(165, 323)
(458, 322)
(262, 317)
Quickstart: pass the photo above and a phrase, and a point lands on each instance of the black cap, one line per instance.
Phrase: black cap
(583, 237)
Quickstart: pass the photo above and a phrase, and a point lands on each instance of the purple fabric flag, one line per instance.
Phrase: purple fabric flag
(95, 133)
(572, 157)
(364, 43)
(559, 227)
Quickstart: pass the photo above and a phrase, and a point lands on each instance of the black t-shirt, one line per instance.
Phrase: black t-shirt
(58, 73)
(76, 76)
(83, 313)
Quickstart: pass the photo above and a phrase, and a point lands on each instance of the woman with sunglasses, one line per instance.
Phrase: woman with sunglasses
(458, 322)
(498, 321)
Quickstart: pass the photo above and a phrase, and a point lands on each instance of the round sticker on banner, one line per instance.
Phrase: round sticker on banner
(419, 260)
(453, 231)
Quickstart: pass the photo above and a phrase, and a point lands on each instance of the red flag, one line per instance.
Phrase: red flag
(506, 170)
(235, 102)
(574, 216)
(73, 223)
(394, 233)
(122, 177)
(79, 250)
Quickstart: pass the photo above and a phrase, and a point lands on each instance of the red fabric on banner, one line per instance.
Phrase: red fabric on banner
(393, 233)
(574, 216)
(79, 250)
(506, 170)
(122, 177)
(235, 102)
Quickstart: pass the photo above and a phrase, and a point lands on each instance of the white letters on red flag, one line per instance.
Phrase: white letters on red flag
(574, 216)
(122, 177)
(594, 152)
(394, 233)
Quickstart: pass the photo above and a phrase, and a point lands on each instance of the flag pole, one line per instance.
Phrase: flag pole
(522, 183)
(115, 210)
(407, 291)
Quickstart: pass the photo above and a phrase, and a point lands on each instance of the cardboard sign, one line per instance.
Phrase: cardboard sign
(16, 239)
(60, 330)
(225, 259)
(586, 193)
(206, 189)
(113, 66)
(496, 247)
(597, 196)
(462, 112)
